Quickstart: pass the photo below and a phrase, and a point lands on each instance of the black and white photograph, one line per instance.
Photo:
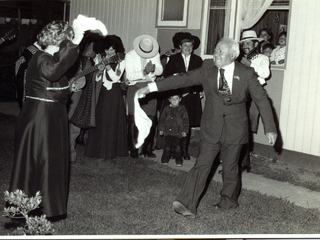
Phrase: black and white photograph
(160, 119)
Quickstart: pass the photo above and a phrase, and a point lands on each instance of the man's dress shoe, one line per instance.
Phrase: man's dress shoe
(180, 208)
(245, 168)
(186, 156)
(217, 206)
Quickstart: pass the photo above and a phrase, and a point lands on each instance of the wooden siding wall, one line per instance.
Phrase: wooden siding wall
(125, 18)
(300, 108)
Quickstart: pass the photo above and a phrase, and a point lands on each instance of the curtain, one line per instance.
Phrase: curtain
(227, 19)
(252, 11)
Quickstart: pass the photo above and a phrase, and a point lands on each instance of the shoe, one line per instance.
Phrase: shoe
(179, 164)
(181, 209)
(134, 153)
(80, 142)
(165, 163)
(149, 155)
(217, 206)
(186, 156)
(245, 168)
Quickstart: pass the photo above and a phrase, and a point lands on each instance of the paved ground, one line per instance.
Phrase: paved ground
(297, 195)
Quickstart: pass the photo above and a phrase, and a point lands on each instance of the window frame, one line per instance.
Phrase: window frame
(234, 25)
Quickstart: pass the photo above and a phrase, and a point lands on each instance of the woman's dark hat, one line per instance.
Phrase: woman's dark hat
(107, 42)
(118, 42)
(180, 36)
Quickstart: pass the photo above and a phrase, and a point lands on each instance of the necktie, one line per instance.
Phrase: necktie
(224, 87)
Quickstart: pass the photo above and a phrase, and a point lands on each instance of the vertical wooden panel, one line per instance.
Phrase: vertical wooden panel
(314, 95)
(125, 18)
(300, 107)
(310, 74)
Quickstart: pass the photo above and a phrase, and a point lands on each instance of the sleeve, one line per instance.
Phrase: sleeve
(170, 68)
(273, 55)
(116, 75)
(54, 67)
(262, 66)
(188, 79)
(282, 54)
(18, 63)
(159, 69)
(260, 98)
(132, 72)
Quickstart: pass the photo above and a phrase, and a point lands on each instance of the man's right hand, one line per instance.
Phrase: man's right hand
(142, 92)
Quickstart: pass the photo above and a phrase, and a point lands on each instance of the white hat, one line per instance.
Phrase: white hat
(146, 46)
(250, 35)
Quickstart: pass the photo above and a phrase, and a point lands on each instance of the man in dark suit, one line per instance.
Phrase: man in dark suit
(224, 123)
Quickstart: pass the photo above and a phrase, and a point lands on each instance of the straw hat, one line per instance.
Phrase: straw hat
(249, 35)
(146, 46)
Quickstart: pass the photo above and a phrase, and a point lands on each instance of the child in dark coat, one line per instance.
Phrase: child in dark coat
(173, 125)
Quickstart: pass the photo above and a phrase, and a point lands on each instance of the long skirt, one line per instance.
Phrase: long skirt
(41, 156)
(109, 138)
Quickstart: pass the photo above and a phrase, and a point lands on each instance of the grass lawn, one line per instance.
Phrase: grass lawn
(134, 197)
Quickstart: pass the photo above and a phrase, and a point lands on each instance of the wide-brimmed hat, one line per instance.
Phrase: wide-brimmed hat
(179, 37)
(249, 35)
(146, 46)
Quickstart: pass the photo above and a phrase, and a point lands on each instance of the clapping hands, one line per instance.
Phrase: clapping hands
(149, 67)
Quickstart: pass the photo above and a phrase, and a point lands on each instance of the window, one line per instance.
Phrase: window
(215, 24)
(275, 18)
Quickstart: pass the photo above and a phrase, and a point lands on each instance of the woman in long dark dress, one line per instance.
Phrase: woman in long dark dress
(41, 156)
(109, 138)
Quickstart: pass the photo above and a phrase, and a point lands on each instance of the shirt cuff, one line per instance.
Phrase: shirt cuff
(153, 87)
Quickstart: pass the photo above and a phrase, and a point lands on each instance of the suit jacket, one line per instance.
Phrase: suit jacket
(219, 117)
(176, 65)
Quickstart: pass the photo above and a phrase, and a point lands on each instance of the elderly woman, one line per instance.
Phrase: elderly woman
(41, 154)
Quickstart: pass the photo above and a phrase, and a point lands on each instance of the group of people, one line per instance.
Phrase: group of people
(80, 80)
(275, 52)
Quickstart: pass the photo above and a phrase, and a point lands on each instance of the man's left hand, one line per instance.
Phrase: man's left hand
(142, 92)
(272, 137)
(246, 62)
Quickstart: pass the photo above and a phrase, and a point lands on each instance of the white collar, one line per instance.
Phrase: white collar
(37, 45)
(185, 57)
(229, 67)
(51, 49)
